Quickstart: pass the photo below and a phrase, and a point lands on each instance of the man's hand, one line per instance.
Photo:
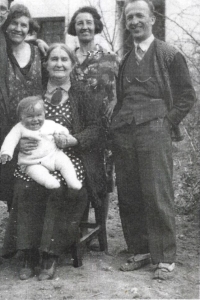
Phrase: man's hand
(27, 145)
(64, 141)
(42, 46)
(4, 158)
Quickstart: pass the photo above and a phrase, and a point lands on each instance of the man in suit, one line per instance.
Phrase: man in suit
(154, 95)
(6, 172)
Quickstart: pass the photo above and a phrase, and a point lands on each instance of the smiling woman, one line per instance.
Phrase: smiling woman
(18, 29)
(24, 63)
(59, 65)
(23, 74)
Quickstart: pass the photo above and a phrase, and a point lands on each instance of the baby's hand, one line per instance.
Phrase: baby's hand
(64, 141)
(4, 158)
(60, 139)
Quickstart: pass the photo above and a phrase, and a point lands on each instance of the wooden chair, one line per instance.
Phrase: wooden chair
(95, 229)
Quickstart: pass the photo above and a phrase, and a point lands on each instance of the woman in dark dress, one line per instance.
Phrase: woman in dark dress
(24, 78)
(95, 73)
(44, 223)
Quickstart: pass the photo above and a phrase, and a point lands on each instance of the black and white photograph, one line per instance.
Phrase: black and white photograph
(99, 149)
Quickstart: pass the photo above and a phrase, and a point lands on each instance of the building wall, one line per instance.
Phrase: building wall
(66, 8)
(182, 21)
(185, 12)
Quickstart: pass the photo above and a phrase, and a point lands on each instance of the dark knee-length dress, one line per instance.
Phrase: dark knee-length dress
(49, 219)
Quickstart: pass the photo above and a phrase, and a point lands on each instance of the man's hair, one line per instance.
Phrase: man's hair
(27, 104)
(17, 11)
(90, 10)
(148, 2)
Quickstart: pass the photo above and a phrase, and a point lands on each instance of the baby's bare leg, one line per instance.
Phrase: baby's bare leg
(66, 168)
(42, 176)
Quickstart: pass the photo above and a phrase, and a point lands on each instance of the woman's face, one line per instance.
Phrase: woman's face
(59, 64)
(18, 29)
(85, 27)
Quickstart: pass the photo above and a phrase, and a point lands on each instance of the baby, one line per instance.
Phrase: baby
(47, 157)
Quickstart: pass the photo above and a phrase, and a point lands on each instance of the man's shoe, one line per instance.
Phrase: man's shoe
(135, 265)
(138, 257)
(164, 271)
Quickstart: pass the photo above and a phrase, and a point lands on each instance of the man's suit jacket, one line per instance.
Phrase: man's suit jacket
(174, 80)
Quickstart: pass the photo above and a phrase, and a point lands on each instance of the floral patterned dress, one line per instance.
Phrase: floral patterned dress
(23, 82)
(96, 76)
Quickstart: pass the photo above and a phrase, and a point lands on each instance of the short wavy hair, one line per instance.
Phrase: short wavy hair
(148, 2)
(18, 11)
(90, 10)
(63, 47)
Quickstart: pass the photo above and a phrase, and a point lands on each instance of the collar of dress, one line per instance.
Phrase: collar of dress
(51, 87)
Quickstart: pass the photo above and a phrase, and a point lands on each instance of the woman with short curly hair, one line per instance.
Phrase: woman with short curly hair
(22, 73)
(94, 73)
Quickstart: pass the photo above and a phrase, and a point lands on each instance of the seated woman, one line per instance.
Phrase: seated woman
(47, 223)
(23, 78)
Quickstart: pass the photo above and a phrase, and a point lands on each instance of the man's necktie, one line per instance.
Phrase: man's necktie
(57, 97)
(139, 54)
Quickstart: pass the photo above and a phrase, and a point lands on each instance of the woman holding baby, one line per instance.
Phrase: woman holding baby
(44, 223)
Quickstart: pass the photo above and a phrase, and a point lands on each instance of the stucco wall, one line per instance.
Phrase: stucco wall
(184, 12)
(66, 8)
(182, 21)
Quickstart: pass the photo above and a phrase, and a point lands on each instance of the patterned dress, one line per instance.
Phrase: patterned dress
(23, 82)
(96, 76)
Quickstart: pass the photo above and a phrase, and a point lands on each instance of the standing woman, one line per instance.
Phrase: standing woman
(94, 73)
(23, 77)
(24, 62)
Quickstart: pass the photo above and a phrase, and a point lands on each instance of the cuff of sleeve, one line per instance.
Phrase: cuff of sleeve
(175, 117)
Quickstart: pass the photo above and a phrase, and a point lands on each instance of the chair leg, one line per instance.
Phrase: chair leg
(76, 251)
(102, 236)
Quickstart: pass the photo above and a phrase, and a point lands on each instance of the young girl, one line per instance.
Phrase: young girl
(47, 157)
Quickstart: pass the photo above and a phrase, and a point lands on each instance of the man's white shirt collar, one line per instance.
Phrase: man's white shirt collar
(144, 45)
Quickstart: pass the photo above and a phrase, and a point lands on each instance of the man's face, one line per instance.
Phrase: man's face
(139, 20)
(4, 6)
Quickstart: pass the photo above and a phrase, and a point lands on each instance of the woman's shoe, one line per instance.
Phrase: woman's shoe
(26, 273)
(31, 260)
(47, 274)
(49, 263)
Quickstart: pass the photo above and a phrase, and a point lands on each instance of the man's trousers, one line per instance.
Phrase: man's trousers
(144, 169)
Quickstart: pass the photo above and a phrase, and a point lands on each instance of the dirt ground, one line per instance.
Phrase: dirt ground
(100, 277)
